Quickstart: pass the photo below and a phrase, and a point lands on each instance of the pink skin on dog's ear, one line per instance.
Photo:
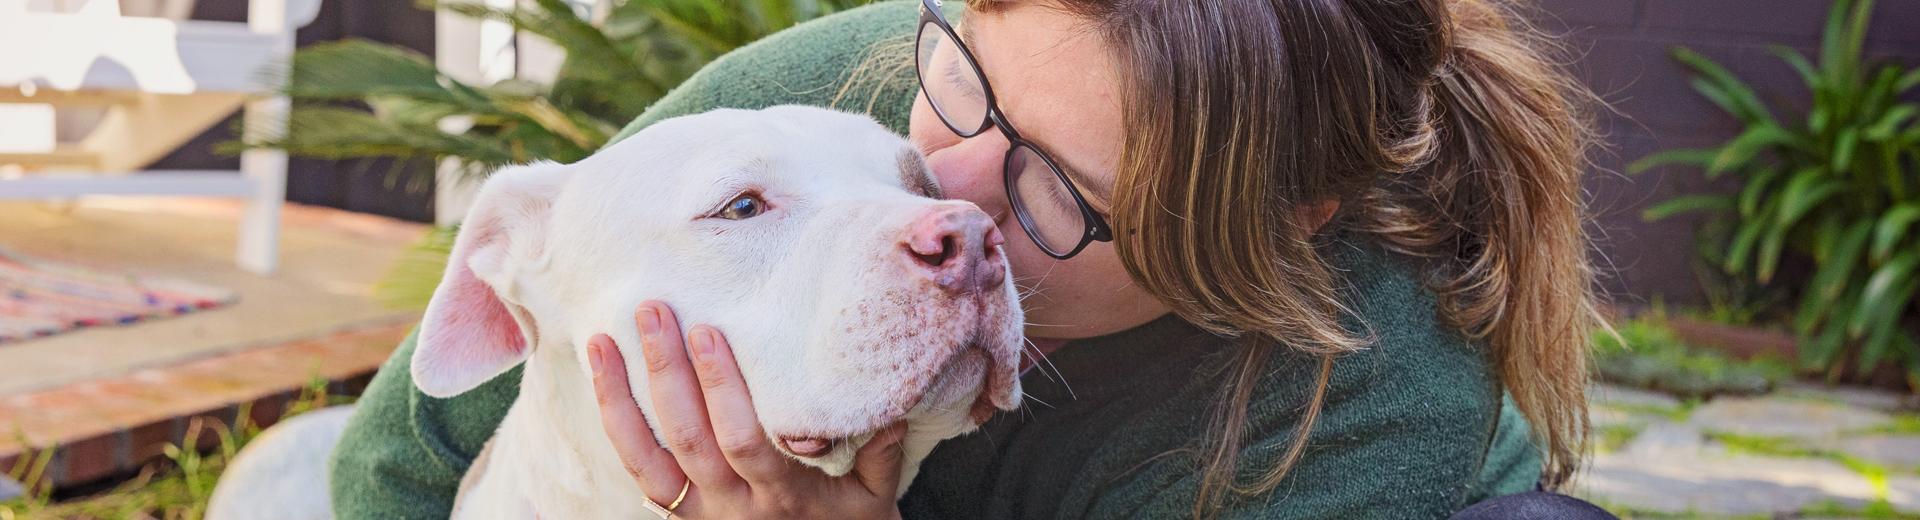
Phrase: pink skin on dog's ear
(473, 330)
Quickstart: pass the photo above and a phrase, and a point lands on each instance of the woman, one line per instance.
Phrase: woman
(1286, 257)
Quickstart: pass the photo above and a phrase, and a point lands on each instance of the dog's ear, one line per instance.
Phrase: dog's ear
(474, 327)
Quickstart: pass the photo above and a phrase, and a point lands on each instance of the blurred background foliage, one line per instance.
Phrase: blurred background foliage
(1645, 353)
(364, 100)
(399, 106)
(1836, 190)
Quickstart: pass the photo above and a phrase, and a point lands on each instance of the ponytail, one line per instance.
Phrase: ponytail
(1500, 200)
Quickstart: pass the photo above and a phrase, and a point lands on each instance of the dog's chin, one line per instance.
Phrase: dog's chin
(964, 394)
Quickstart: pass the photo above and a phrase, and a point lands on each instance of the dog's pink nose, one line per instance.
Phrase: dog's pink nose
(957, 247)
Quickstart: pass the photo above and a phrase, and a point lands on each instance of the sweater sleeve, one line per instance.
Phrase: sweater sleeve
(404, 452)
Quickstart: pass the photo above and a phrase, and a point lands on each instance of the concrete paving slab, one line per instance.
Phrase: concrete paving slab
(1778, 417)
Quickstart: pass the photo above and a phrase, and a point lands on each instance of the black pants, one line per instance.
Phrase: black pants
(1534, 505)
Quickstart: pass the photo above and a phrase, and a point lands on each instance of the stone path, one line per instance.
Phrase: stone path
(1801, 451)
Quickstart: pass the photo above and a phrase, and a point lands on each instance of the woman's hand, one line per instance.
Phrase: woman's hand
(714, 440)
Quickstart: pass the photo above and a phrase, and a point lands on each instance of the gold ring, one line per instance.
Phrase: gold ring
(655, 508)
(666, 513)
(682, 497)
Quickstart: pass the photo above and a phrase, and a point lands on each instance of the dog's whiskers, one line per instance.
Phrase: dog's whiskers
(1042, 403)
(1034, 350)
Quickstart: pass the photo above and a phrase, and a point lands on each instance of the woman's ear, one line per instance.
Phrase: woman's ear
(1317, 215)
(474, 327)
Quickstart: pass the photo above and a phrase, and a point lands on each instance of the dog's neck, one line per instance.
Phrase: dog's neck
(551, 455)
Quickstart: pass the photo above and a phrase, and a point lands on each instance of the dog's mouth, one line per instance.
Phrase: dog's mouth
(970, 371)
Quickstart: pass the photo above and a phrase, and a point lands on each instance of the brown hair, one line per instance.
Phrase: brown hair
(1441, 128)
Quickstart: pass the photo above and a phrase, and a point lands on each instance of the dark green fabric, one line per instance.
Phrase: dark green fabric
(1409, 429)
(1414, 426)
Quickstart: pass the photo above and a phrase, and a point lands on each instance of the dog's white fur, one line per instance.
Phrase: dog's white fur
(835, 332)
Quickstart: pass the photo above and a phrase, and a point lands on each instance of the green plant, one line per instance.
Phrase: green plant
(1837, 189)
(1644, 353)
(177, 489)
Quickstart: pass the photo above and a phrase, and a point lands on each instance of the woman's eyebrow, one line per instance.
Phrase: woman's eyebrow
(1100, 190)
(966, 33)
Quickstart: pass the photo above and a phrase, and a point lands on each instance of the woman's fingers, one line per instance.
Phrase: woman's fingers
(735, 426)
(677, 400)
(656, 471)
(878, 463)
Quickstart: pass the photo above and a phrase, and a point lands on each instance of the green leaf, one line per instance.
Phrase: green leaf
(1884, 323)
(1840, 44)
(1771, 244)
(1808, 74)
(1856, 34)
(1892, 228)
(1907, 82)
(1741, 149)
(1686, 204)
(340, 133)
(355, 69)
(1806, 191)
(1882, 287)
(1740, 252)
(1823, 348)
(1831, 278)
(1830, 39)
(697, 33)
(1878, 94)
(1889, 122)
(1757, 186)
(1723, 88)
(1699, 157)
(1843, 148)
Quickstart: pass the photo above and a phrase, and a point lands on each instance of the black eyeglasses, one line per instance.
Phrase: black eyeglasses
(1045, 201)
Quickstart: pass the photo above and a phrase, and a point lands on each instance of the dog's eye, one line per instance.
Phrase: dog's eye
(746, 206)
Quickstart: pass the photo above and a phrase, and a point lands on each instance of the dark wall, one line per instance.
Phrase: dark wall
(364, 186)
(1621, 49)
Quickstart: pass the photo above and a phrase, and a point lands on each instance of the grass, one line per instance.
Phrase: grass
(1612, 437)
(1875, 473)
(1902, 424)
(1645, 353)
(1880, 510)
(176, 489)
(1670, 413)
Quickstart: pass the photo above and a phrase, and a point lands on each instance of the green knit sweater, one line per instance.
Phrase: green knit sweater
(1414, 427)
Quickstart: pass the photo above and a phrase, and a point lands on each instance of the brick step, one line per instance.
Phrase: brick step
(106, 427)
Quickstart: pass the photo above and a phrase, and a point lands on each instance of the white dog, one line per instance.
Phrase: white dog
(852, 299)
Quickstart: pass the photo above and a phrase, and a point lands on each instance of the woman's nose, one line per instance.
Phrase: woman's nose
(970, 170)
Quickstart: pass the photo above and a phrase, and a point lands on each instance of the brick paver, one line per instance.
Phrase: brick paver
(109, 426)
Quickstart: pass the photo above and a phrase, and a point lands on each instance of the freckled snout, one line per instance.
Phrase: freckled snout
(956, 247)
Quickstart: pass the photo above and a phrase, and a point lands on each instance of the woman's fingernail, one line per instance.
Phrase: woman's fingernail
(649, 321)
(593, 356)
(702, 342)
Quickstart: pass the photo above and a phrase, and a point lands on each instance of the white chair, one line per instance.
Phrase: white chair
(88, 97)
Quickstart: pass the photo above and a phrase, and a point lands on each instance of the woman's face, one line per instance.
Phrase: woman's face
(1057, 84)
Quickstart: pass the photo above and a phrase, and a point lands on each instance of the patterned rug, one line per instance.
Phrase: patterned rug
(41, 298)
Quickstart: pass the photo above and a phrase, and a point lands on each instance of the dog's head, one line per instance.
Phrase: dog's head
(812, 239)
